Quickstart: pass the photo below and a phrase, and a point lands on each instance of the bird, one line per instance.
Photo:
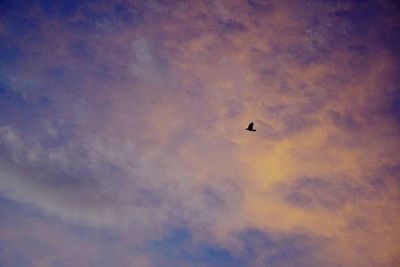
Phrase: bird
(250, 127)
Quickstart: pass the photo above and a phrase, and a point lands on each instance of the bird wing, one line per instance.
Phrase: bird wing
(250, 127)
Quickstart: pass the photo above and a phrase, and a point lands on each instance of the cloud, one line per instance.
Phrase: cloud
(127, 120)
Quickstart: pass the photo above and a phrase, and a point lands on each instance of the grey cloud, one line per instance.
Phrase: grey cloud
(264, 248)
(231, 26)
(331, 194)
(96, 185)
(344, 121)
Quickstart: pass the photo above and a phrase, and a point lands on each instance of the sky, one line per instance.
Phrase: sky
(123, 141)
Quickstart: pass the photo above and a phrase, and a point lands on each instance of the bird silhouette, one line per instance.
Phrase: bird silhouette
(250, 127)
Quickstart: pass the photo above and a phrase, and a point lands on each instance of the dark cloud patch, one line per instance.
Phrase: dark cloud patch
(387, 176)
(313, 192)
(344, 120)
(81, 179)
(58, 73)
(214, 199)
(261, 6)
(145, 197)
(39, 174)
(61, 8)
(388, 107)
(357, 223)
(19, 23)
(173, 249)
(391, 38)
(114, 18)
(94, 235)
(276, 109)
(9, 7)
(230, 26)
(80, 50)
(192, 89)
(360, 50)
(179, 248)
(234, 109)
(261, 248)
(374, 22)
(23, 27)
(290, 124)
(359, 59)
(394, 106)
(14, 108)
(11, 257)
(303, 55)
(9, 208)
(10, 54)
(257, 248)
(294, 124)
(317, 97)
(268, 131)
(366, 23)
(22, 105)
(360, 16)
(131, 16)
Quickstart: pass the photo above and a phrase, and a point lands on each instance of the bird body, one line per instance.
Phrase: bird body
(250, 127)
